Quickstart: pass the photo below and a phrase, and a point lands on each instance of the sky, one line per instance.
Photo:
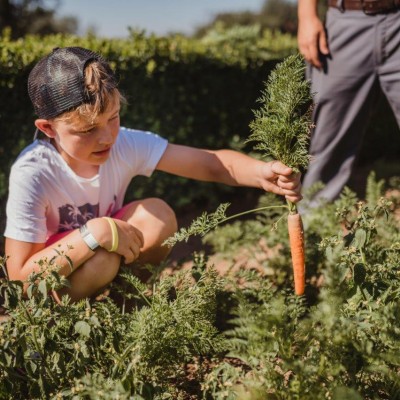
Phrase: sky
(110, 18)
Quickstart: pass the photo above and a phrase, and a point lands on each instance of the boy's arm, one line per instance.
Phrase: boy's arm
(23, 257)
(231, 168)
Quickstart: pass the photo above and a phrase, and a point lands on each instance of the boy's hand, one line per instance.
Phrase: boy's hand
(130, 239)
(278, 178)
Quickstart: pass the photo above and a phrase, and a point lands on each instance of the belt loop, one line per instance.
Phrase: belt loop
(339, 5)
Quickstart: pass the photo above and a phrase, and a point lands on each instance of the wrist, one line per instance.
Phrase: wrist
(114, 234)
(101, 232)
(88, 237)
(262, 172)
(307, 9)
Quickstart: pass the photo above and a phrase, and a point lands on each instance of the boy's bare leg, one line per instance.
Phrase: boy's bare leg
(155, 219)
(92, 276)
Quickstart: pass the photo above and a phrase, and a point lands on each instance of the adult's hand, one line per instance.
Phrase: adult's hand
(311, 36)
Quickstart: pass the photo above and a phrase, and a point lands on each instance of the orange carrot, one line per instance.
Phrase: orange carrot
(296, 238)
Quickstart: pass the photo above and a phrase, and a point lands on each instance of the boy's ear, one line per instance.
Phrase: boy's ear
(46, 127)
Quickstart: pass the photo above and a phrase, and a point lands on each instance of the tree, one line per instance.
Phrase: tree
(32, 16)
(278, 15)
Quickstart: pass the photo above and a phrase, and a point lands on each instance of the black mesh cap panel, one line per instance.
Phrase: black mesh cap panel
(56, 83)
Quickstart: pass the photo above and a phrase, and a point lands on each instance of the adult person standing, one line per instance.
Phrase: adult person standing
(351, 57)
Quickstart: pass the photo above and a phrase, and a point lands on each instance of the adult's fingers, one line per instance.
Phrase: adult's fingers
(314, 57)
(323, 45)
(310, 52)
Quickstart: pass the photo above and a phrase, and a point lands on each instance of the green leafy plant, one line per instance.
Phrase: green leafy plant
(343, 345)
(65, 350)
(245, 336)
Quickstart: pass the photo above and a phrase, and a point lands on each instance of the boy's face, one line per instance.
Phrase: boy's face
(84, 145)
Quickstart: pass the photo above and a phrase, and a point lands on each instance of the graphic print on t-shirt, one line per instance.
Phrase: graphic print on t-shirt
(111, 206)
(72, 217)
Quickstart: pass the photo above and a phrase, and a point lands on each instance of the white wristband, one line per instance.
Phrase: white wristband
(88, 238)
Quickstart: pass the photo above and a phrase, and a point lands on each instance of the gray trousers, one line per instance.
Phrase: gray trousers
(364, 58)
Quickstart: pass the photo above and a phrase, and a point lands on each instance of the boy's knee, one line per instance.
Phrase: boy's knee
(156, 213)
(164, 213)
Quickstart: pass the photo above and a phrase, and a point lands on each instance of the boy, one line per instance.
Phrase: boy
(66, 192)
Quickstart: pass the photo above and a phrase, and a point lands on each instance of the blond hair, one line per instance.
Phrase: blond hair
(100, 88)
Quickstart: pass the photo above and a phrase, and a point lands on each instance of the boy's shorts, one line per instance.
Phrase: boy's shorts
(57, 236)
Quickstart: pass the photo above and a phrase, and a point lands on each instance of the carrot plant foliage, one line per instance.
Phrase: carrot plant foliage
(281, 126)
(96, 349)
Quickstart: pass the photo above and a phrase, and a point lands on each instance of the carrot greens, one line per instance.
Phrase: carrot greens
(282, 124)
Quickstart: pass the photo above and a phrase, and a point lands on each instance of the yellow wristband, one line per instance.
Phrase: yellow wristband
(114, 231)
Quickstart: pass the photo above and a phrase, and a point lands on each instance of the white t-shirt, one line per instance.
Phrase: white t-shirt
(46, 196)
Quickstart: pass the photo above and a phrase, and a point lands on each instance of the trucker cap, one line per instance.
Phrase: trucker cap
(57, 82)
